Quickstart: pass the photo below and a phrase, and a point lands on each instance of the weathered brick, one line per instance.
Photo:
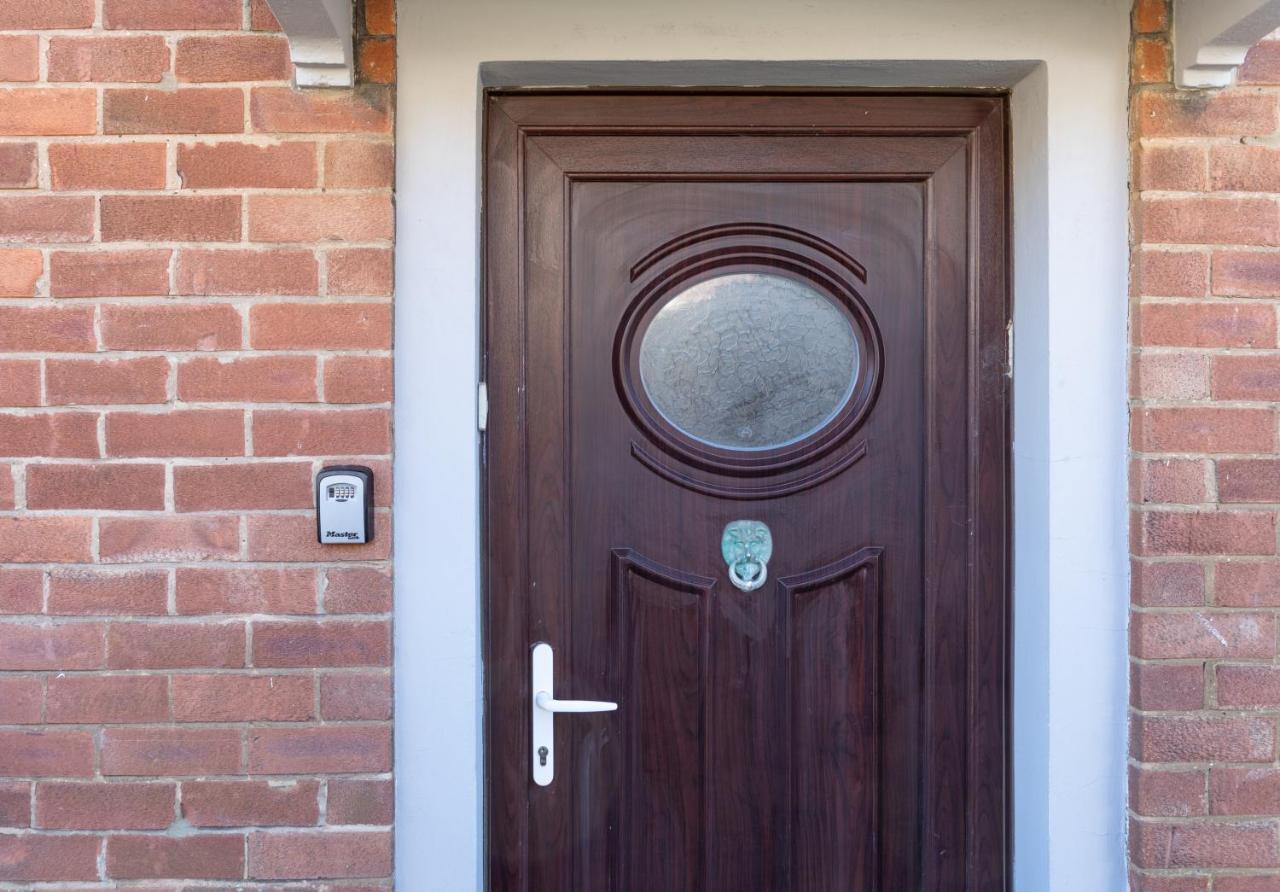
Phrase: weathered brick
(47, 14)
(358, 164)
(109, 273)
(53, 647)
(1167, 793)
(323, 217)
(134, 59)
(1204, 532)
(100, 592)
(261, 18)
(243, 698)
(33, 539)
(103, 382)
(113, 165)
(171, 15)
(380, 16)
(167, 538)
(1210, 221)
(179, 327)
(40, 858)
(114, 699)
(1203, 739)
(1246, 273)
(1211, 430)
(207, 590)
(187, 110)
(184, 432)
(334, 326)
(224, 487)
(1262, 64)
(19, 382)
(321, 748)
(183, 218)
(1243, 791)
(21, 702)
(15, 804)
(98, 806)
(239, 57)
(1248, 687)
(319, 853)
(1249, 480)
(230, 165)
(322, 643)
(21, 590)
(376, 60)
(52, 111)
(161, 752)
(289, 272)
(1156, 636)
(250, 803)
(1170, 481)
(201, 857)
(45, 754)
(357, 590)
(19, 57)
(264, 379)
(122, 487)
(19, 165)
(360, 271)
(359, 696)
(47, 329)
(46, 218)
(284, 110)
(1202, 113)
(321, 432)
(1247, 584)
(1205, 845)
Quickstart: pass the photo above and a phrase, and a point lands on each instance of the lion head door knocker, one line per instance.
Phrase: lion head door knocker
(747, 546)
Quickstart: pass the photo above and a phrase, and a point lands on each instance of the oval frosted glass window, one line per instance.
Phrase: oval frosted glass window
(749, 361)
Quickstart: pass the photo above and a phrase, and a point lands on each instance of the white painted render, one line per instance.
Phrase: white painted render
(1070, 246)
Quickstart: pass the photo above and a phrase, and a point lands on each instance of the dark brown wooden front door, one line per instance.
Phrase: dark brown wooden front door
(788, 309)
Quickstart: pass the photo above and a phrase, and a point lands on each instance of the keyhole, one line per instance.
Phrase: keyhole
(543, 752)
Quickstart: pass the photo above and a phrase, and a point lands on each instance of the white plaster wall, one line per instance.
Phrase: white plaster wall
(1070, 159)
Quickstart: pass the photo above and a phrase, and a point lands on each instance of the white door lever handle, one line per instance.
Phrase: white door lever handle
(544, 709)
(551, 704)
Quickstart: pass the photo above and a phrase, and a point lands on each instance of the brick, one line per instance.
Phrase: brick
(115, 165)
(135, 59)
(160, 752)
(230, 165)
(239, 57)
(341, 749)
(1170, 376)
(254, 272)
(357, 590)
(160, 645)
(1196, 739)
(109, 273)
(1243, 883)
(99, 806)
(380, 16)
(360, 801)
(1213, 221)
(1247, 584)
(334, 326)
(47, 14)
(360, 271)
(182, 432)
(292, 538)
(1156, 636)
(321, 432)
(205, 591)
(21, 590)
(1249, 480)
(1248, 687)
(1246, 274)
(1150, 16)
(376, 61)
(243, 698)
(45, 754)
(47, 329)
(110, 486)
(171, 15)
(8, 495)
(19, 382)
(19, 166)
(1238, 168)
(1212, 430)
(346, 697)
(323, 217)
(261, 18)
(242, 486)
(52, 111)
(15, 804)
(91, 382)
(1180, 168)
(1151, 60)
(1262, 64)
(55, 435)
(186, 110)
(284, 110)
(186, 218)
(1243, 377)
(19, 57)
(1195, 532)
(358, 164)
(181, 327)
(208, 857)
(1166, 793)
(1198, 113)
(1244, 791)
(251, 803)
(36, 858)
(323, 643)
(319, 853)
(28, 539)
(167, 538)
(116, 699)
(265, 379)
(46, 218)
(21, 703)
(20, 270)
(1167, 273)
(99, 592)
(1205, 845)
(25, 647)
(1168, 481)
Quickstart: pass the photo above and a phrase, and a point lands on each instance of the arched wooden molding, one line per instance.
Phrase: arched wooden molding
(319, 33)
(1211, 37)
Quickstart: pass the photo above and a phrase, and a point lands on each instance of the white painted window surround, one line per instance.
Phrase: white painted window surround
(1066, 64)
(319, 33)
(1212, 37)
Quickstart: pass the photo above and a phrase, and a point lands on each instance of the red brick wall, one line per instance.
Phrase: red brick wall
(1204, 785)
(195, 315)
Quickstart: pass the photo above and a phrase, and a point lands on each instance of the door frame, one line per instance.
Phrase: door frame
(988, 634)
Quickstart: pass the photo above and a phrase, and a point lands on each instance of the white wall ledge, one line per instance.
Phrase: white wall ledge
(319, 33)
(1212, 37)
